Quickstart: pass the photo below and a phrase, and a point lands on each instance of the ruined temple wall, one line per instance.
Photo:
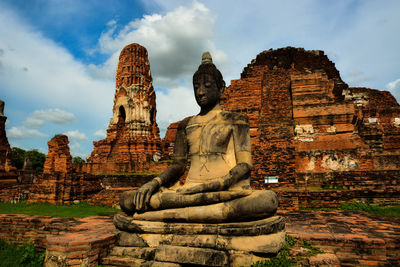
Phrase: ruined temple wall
(132, 135)
(58, 158)
(5, 151)
(59, 183)
(307, 125)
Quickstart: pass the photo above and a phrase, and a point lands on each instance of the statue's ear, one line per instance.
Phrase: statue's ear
(222, 89)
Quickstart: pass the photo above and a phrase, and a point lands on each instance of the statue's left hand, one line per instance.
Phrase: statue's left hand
(143, 195)
(204, 187)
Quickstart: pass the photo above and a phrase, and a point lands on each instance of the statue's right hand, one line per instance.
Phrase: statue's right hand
(143, 195)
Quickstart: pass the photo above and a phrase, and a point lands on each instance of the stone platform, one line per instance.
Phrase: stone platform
(351, 238)
(223, 244)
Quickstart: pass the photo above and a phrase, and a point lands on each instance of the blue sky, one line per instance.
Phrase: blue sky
(58, 57)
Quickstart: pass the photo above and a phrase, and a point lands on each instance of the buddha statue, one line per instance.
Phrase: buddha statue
(216, 143)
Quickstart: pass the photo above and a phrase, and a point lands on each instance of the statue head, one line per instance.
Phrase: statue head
(208, 83)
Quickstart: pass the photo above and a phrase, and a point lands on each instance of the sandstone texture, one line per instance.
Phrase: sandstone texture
(204, 244)
(133, 135)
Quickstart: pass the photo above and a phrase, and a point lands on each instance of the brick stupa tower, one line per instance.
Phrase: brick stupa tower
(133, 134)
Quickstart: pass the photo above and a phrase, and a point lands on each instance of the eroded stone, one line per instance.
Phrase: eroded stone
(190, 255)
(264, 226)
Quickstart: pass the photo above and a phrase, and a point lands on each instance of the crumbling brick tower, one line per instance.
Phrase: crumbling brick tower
(310, 129)
(133, 134)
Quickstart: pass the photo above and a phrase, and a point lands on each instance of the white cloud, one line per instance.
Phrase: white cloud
(24, 133)
(76, 135)
(394, 88)
(175, 42)
(39, 117)
(45, 72)
(174, 105)
(395, 85)
(100, 134)
(76, 149)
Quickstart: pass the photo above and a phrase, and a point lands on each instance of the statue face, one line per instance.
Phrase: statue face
(206, 91)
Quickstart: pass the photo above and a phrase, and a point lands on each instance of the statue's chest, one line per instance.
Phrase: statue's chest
(208, 137)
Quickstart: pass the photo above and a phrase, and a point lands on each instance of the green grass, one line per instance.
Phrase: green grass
(390, 211)
(308, 245)
(45, 209)
(12, 255)
(282, 259)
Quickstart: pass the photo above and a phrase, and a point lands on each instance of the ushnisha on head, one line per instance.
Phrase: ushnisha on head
(208, 83)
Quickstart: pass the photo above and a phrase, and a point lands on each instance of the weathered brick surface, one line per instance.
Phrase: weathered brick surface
(67, 241)
(305, 120)
(5, 149)
(8, 175)
(59, 184)
(58, 158)
(133, 134)
(354, 237)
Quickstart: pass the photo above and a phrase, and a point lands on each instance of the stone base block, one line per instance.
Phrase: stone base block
(145, 243)
(259, 227)
(270, 243)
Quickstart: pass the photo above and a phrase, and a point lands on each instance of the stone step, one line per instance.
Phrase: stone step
(133, 262)
(145, 253)
(192, 255)
(145, 256)
(270, 243)
(252, 228)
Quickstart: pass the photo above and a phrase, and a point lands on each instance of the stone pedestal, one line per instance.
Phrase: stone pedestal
(144, 243)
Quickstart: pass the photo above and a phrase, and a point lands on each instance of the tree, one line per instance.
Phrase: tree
(37, 159)
(78, 160)
(17, 157)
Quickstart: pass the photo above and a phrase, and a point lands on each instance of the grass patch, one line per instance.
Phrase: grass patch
(308, 245)
(282, 259)
(390, 211)
(13, 255)
(80, 210)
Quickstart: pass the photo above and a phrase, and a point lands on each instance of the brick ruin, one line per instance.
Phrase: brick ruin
(327, 143)
(59, 183)
(311, 129)
(132, 135)
(314, 132)
(8, 175)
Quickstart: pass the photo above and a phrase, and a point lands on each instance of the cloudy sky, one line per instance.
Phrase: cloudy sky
(58, 57)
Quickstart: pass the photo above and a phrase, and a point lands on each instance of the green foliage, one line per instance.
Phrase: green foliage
(393, 211)
(17, 157)
(282, 259)
(20, 255)
(78, 160)
(80, 210)
(319, 208)
(37, 159)
(290, 241)
(308, 245)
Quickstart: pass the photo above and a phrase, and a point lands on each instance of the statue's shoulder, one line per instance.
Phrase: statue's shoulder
(183, 123)
(234, 117)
